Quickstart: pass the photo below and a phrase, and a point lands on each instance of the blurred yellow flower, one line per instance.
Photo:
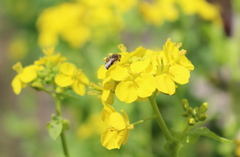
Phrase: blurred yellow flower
(118, 133)
(93, 125)
(71, 76)
(158, 11)
(82, 21)
(24, 76)
(17, 49)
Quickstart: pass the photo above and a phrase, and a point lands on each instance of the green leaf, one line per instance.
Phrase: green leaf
(55, 128)
(192, 137)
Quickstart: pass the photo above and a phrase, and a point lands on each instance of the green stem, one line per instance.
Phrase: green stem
(59, 114)
(159, 119)
(141, 121)
(184, 132)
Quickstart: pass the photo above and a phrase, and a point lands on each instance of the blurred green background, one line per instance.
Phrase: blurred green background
(85, 31)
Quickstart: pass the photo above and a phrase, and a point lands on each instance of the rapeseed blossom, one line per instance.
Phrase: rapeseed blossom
(118, 133)
(141, 72)
(51, 74)
(24, 76)
(81, 21)
(158, 11)
(73, 77)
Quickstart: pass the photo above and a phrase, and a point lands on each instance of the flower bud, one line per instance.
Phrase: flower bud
(204, 107)
(185, 114)
(37, 85)
(202, 117)
(190, 111)
(59, 90)
(191, 121)
(185, 104)
(195, 111)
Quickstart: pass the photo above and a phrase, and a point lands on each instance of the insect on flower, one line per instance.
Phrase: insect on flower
(112, 59)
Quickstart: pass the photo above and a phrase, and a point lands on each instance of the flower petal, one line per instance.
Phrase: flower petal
(165, 84)
(146, 85)
(112, 139)
(79, 88)
(101, 73)
(139, 66)
(83, 78)
(63, 80)
(67, 68)
(126, 91)
(117, 121)
(118, 73)
(29, 73)
(16, 85)
(106, 113)
(179, 74)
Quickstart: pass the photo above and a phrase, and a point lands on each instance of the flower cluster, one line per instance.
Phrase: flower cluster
(140, 73)
(80, 21)
(158, 11)
(51, 74)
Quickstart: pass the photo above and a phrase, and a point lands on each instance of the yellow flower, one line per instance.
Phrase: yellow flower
(50, 59)
(173, 67)
(118, 133)
(24, 76)
(134, 82)
(73, 77)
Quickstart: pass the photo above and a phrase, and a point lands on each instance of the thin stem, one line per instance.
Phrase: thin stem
(59, 114)
(141, 121)
(159, 119)
(184, 132)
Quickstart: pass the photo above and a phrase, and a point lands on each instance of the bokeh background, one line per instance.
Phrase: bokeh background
(85, 31)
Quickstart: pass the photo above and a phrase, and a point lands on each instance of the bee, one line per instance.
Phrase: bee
(112, 59)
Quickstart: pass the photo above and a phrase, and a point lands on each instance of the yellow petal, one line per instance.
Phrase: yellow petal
(16, 85)
(67, 68)
(112, 139)
(63, 80)
(126, 137)
(179, 74)
(146, 85)
(139, 66)
(117, 121)
(106, 113)
(105, 95)
(165, 84)
(83, 78)
(125, 116)
(118, 73)
(29, 74)
(126, 91)
(101, 73)
(186, 63)
(79, 88)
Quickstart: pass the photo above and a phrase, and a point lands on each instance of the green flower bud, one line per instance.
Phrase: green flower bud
(185, 114)
(65, 124)
(59, 90)
(47, 79)
(37, 85)
(195, 111)
(185, 104)
(196, 119)
(204, 107)
(190, 111)
(191, 121)
(202, 117)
